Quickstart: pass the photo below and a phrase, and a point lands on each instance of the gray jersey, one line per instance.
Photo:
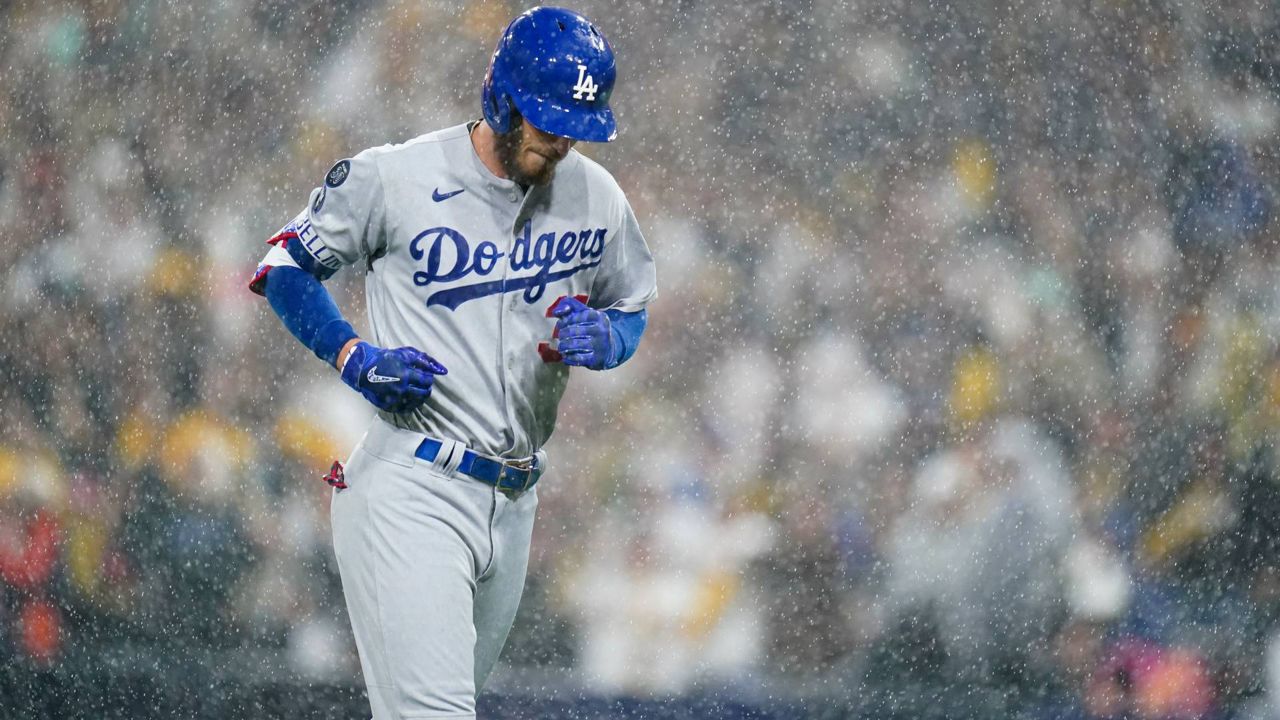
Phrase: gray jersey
(465, 266)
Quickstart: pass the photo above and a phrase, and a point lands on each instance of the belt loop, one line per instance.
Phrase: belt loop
(449, 457)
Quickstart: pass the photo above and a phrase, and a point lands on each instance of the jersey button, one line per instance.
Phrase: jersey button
(514, 196)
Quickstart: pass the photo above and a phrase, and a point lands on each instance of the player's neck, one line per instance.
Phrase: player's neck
(485, 143)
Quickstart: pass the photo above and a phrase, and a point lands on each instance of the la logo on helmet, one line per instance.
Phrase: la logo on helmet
(586, 86)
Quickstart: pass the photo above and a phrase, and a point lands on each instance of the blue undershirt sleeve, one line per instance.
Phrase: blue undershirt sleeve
(627, 327)
(308, 311)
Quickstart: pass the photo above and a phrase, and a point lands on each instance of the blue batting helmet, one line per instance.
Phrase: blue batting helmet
(556, 69)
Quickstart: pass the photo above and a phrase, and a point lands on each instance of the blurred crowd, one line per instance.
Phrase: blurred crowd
(962, 390)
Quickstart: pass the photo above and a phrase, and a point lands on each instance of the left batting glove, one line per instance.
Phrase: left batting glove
(397, 381)
(586, 337)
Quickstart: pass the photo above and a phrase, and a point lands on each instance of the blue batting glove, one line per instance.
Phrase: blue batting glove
(586, 337)
(396, 381)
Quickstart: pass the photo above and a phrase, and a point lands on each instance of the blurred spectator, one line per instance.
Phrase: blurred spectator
(31, 493)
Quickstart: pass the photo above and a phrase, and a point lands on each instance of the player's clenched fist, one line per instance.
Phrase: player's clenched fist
(586, 338)
(397, 380)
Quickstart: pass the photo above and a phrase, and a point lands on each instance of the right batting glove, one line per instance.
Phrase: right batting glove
(586, 339)
(396, 381)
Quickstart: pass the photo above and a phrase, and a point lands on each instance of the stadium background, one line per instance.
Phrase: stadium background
(961, 397)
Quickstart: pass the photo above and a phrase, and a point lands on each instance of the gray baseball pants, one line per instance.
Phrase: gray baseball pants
(433, 564)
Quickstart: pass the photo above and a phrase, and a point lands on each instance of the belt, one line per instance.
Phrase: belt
(511, 477)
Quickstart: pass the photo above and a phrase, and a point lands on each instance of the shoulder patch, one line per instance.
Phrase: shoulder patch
(338, 173)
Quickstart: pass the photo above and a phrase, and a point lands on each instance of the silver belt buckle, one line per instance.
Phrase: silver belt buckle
(526, 465)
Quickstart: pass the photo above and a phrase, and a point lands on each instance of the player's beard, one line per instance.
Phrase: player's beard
(512, 150)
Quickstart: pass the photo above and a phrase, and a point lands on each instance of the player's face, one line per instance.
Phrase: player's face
(530, 156)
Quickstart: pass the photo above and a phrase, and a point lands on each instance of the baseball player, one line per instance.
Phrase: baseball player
(495, 258)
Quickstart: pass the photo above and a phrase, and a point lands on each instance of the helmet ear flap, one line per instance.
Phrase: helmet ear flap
(497, 105)
(507, 113)
(501, 113)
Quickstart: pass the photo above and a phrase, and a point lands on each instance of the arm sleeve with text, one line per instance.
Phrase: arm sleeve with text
(342, 224)
(347, 212)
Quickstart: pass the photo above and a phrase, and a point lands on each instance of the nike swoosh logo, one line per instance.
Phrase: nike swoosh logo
(374, 377)
(441, 197)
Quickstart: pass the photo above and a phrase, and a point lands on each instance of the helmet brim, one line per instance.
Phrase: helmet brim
(575, 123)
